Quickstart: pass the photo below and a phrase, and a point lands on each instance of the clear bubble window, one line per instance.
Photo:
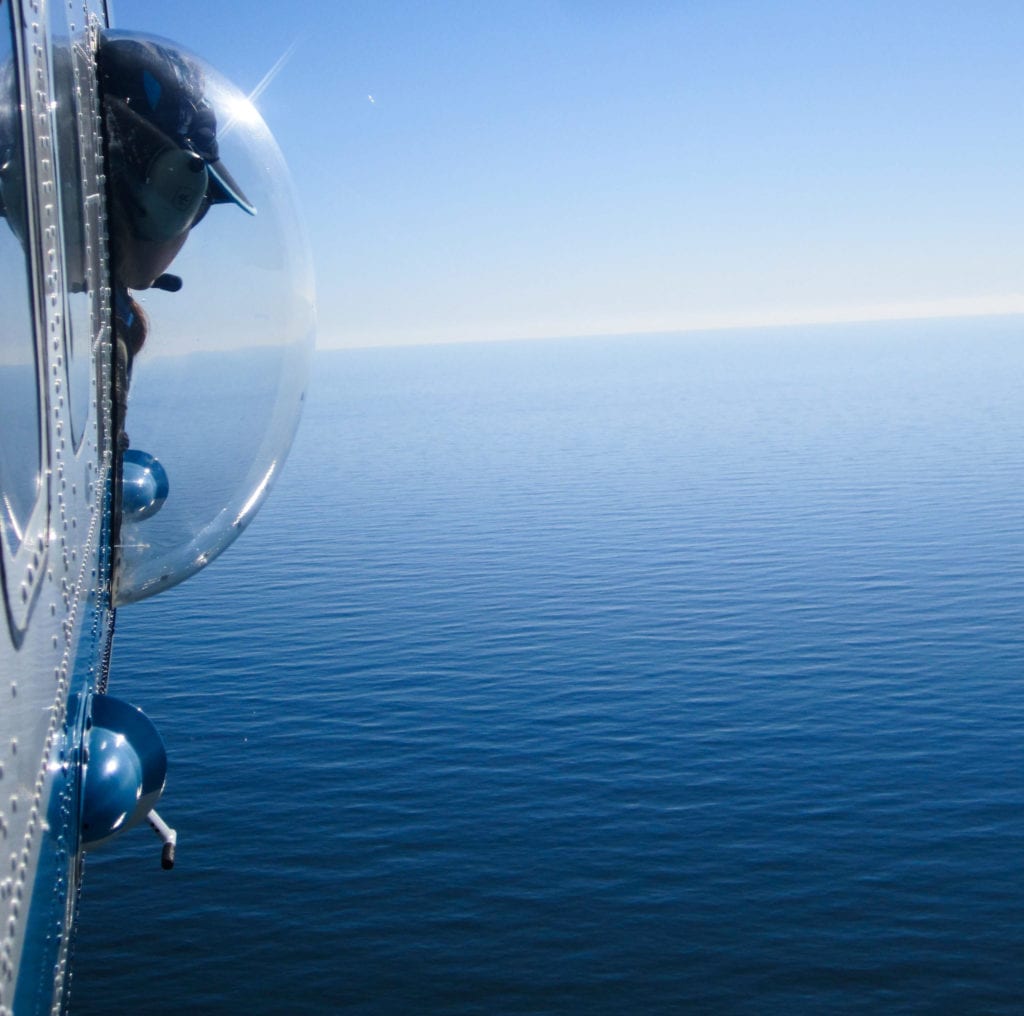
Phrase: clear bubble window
(216, 370)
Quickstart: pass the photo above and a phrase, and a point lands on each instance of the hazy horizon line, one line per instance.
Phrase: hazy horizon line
(965, 308)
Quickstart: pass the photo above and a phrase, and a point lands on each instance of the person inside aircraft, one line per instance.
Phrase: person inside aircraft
(163, 174)
(164, 164)
(163, 154)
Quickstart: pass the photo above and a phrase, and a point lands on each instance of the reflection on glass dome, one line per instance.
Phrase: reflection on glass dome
(217, 353)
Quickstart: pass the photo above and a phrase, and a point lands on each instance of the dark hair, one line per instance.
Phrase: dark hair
(130, 323)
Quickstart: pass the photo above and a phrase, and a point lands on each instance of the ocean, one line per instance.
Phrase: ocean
(675, 674)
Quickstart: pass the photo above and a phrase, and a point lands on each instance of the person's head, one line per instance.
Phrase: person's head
(164, 159)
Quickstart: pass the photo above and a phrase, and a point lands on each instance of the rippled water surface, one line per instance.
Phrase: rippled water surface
(634, 675)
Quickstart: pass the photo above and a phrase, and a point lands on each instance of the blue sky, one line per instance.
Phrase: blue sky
(485, 171)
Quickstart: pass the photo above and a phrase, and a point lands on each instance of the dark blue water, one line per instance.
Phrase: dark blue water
(636, 675)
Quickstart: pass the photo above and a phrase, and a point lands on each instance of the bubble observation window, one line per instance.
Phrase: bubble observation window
(214, 307)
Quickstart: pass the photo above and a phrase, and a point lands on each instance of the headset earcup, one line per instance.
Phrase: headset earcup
(173, 191)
